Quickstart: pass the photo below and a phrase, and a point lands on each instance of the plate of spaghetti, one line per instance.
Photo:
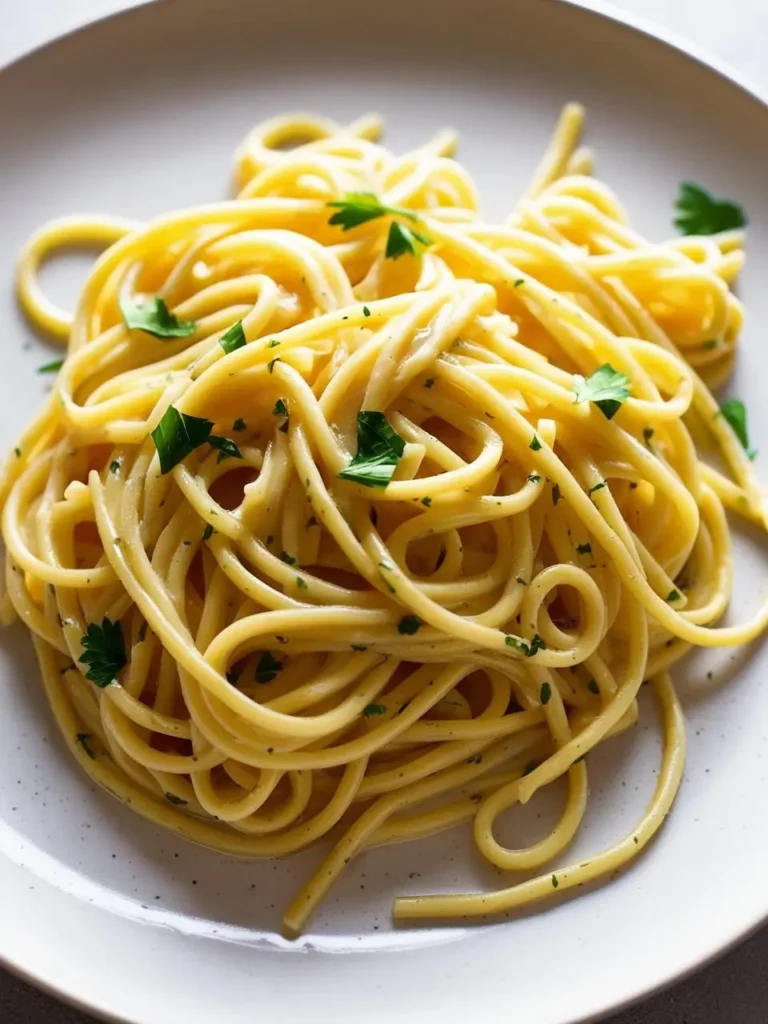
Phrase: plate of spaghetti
(384, 532)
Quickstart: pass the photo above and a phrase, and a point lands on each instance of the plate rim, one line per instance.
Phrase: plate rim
(654, 33)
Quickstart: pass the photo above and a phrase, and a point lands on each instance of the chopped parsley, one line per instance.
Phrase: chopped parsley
(673, 595)
(379, 449)
(597, 487)
(358, 647)
(208, 532)
(360, 207)
(273, 343)
(288, 559)
(177, 435)
(545, 693)
(518, 282)
(536, 644)
(426, 501)
(593, 687)
(239, 425)
(104, 652)
(52, 367)
(409, 624)
(535, 444)
(175, 800)
(555, 494)
(82, 738)
(301, 583)
(374, 709)
(114, 467)
(366, 311)
(533, 478)
(606, 388)
(267, 668)
(234, 338)
(155, 318)
(429, 382)
(555, 882)
(402, 240)
(584, 549)
(280, 408)
(734, 412)
(701, 213)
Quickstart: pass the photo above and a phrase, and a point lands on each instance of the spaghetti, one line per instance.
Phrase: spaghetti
(353, 514)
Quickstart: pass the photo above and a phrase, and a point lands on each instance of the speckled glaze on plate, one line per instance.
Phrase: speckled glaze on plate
(139, 114)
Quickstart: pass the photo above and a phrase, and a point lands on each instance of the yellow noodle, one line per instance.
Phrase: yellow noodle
(437, 649)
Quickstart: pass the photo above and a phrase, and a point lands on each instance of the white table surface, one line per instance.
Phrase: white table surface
(735, 989)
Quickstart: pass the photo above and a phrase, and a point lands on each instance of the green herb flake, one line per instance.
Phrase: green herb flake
(429, 382)
(593, 687)
(360, 207)
(288, 559)
(606, 388)
(156, 319)
(555, 494)
(104, 652)
(280, 408)
(239, 425)
(301, 583)
(533, 478)
(409, 624)
(17, 452)
(374, 709)
(379, 449)
(584, 549)
(537, 644)
(366, 312)
(555, 882)
(535, 444)
(519, 281)
(175, 800)
(521, 581)
(273, 343)
(734, 412)
(177, 435)
(673, 595)
(226, 448)
(358, 647)
(713, 343)
(426, 502)
(545, 693)
(82, 738)
(208, 532)
(53, 367)
(402, 240)
(234, 338)
(597, 487)
(267, 668)
(475, 759)
(114, 467)
(517, 644)
(701, 213)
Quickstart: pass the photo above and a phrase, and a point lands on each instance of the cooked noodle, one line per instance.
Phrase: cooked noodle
(308, 654)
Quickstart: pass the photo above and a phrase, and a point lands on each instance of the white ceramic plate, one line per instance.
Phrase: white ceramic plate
(139, 114)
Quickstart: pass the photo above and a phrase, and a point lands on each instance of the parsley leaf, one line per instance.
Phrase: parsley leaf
(267, 668)
(359, 207)
(593, 687)
(597, 487)
(535, 444)
(234, 338)
(606, 387)
(226, 448)
(52, 367)
(280, 408)
(545, 693)
(207, 532)
(374, 709)
(584, 549)
(735, 413)
(556, 494)
(177, 435)
(701, 213)
(239, 424)
(104, 655)
(409, 624)
(402, 240)
(673, 595)
(155, 318)
(82, 738)
(379, 449)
